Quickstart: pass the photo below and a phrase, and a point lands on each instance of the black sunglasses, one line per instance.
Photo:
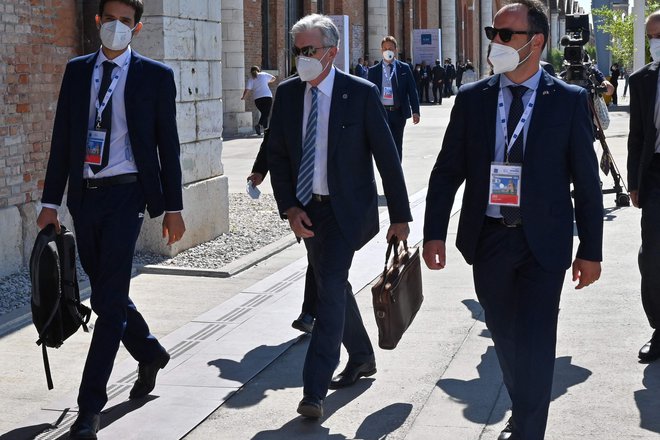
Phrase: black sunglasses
(505, 34)
(308, 51)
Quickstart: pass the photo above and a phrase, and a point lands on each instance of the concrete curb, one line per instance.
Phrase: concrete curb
(19, 318)
(230, 269)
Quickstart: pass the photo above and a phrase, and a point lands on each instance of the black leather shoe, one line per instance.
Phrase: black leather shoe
(304, 323)
(651, 350)
(257, 129)
(352, 373)
(508, 431)
(311, 407)
(85, 427)
(146, 380)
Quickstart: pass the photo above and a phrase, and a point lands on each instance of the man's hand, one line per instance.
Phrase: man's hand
(399, 230)
(634, 198)
(610, 88)
(256, 179)
(434, 254)
(587, 272)
(173, 227)
(415, 118)
(299, 222)
(48, 216)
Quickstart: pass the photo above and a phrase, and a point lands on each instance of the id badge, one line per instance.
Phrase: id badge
(94, 148)
(388, 93)
(504, 184)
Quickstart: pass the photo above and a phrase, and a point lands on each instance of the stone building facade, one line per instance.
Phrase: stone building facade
(37, 38)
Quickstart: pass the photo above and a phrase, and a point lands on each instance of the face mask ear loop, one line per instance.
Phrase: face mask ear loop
(530, 52)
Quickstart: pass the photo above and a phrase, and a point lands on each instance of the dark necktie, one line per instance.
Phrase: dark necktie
(306, 170)
(511, 214)
(393, 82)
(106, 116)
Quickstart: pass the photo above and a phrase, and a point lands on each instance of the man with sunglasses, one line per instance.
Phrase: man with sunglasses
(518, 139)
(397, 89)
(327, 128)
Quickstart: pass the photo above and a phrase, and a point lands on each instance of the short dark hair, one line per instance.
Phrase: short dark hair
(537, 17)
(135, 4)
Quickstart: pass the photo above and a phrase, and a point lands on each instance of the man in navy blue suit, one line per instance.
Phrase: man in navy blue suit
(116, 144)
(644, 180)
(397, 90)
(326, 129)
(518, 139)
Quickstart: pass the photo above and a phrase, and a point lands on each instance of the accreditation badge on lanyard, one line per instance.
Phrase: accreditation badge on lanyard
(505, 177)
(96, 137)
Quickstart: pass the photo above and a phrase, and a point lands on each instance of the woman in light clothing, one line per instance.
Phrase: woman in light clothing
(263, 97)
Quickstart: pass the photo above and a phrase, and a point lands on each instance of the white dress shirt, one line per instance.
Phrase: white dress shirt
(120, 160)
(532, 84)
(387, 82)
(324, 98)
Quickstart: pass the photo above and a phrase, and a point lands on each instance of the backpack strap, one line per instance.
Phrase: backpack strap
(49, 377)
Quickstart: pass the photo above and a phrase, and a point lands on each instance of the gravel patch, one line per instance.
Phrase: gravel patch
(253, 224)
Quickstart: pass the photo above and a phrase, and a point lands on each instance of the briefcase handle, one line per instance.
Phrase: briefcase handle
(394, 244)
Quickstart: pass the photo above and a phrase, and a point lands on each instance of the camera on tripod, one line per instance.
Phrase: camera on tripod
(576, 60)
(578, 71)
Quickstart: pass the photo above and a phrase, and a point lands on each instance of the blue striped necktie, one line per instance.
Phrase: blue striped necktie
(306, 171)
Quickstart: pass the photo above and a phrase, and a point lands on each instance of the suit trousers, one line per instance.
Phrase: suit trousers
(397, 122)
(437, 92)
(521, 304)
(309, 300)
(338, 318)
(649, 251)
(107, 229)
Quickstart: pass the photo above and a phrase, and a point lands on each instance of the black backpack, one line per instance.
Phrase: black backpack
(56, 309)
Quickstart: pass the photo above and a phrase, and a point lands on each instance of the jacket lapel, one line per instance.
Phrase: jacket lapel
(338, 107)
(297, 120)
(541, 112)
(489, 104)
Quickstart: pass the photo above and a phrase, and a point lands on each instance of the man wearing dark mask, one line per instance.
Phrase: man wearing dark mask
(116, 144)
(327, 128)
(518, 161)
(398, 91)
(438, 77)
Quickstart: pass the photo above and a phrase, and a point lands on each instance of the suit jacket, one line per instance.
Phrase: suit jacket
(438, 73)
(641, 140)
(151, 117)
(558, 150)
(260, 164)
(357, 131)
(405, 93)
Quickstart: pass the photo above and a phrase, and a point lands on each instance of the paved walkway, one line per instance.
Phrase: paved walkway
(235, 372)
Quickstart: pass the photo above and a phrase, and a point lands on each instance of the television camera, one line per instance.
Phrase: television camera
(578, 70)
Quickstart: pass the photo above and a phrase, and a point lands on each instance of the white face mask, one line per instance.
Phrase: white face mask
(654, 46)
(115, 35)
(310, 68)
(388, 55)
(505, 58)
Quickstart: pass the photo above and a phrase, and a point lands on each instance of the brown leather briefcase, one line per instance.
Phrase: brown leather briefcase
(397, 295)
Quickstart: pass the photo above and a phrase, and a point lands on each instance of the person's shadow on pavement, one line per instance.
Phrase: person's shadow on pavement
(647, 399)
(481, 394)
(253, 363)
(67, 417)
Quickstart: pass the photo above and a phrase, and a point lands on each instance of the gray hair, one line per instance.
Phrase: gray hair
(655, 16)
(317, 21)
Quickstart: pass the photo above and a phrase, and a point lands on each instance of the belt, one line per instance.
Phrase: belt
(500, 221)
(392, 108)
(320, 198)
(104, 182)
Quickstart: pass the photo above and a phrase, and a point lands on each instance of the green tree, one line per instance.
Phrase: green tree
(620, 28)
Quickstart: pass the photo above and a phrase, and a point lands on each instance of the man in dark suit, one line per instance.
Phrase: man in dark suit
(397, 90)
(326, 129)
(116, 144)
(438, 78)
(360, 69)
(644, 180)
(450, 75)
(516, 221)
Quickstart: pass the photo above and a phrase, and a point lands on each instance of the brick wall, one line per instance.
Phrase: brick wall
(36, 40)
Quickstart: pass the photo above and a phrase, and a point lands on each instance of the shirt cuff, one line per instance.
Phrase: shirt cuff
(50, 205)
